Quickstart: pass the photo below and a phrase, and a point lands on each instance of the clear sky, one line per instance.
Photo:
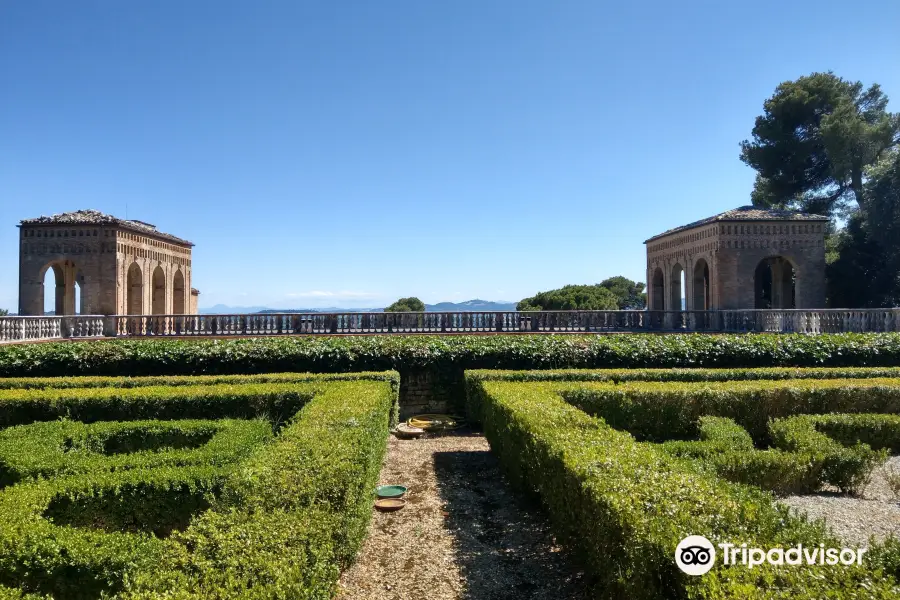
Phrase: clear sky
(348, 153)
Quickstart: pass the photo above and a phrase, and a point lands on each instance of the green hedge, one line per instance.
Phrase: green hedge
(68, 447)
(877, 431)
(728, 450)
(675, 375)
(72, 556)
(275, 395)
(276, 401)
(378, 353)
(846, 467)
(625, 506)
(93, 381)
(292, 515)
(660, 412)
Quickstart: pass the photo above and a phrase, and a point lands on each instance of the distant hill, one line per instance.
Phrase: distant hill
(470, 306)
(467, 306)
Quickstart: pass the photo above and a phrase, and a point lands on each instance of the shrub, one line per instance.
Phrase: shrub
(91, 381)
(846, 468)
(625, 506)
(292, 515)
(378, 353)
(662, 411)
(68, 447)
(277, 401)
(727, 449)
(81, 561)
(683, 375)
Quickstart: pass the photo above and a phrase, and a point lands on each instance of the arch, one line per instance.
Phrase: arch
(775, 284)
(675, 287)
(158, 300)
(178, 293)
(78, 291)
(135, 290)
(700, 294)
(657, 290)
(56, 303)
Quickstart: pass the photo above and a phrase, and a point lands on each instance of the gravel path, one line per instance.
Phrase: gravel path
(464, 533)
(875, 512)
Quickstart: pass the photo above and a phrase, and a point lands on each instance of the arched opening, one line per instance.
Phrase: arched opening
(701, 286)
(775, 284)
(54, 284)
(676, 286)
(159, 291)
(178, 293)
(657, 290)
(135, 289)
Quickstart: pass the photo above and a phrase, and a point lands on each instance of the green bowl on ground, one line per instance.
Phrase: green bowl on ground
(390, 491)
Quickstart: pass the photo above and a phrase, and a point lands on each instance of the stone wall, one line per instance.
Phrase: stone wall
(431, 391)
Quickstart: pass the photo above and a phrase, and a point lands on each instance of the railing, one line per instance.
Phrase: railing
(14, 329)
(21, 329)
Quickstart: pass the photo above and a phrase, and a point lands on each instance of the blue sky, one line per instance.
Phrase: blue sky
(348, 153)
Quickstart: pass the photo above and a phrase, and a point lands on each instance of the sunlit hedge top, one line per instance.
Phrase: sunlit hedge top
(358, 353)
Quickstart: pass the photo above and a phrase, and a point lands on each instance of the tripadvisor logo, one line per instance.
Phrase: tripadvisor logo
(696, 555)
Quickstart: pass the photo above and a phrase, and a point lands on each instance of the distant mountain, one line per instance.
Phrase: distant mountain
(221, 309)
(467, 306)
(470, 306)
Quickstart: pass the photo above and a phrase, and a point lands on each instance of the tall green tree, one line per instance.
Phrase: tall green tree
(629, 294)
(864, 267)
(814, 141)
(572, 297)
(411, 304)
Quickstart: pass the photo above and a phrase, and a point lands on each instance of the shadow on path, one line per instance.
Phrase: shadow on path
(505, 549)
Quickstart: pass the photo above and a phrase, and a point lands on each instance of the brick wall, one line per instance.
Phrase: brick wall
(431, 391)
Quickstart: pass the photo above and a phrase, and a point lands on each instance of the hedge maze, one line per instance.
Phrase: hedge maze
(213, 471)
(627, 467)
(249, 487)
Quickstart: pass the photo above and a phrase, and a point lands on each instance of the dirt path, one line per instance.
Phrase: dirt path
(464, 533)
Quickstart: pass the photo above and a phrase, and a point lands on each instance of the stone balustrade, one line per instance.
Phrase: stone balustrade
(16, 329)
(27, 329)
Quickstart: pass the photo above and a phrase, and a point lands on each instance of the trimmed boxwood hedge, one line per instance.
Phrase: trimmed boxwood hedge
(71, 561)
(625, 506)
(378, 353)
(276, 401)
(660, 412)
(828, 436)
(678, 374)
(728, 450)
(292, 515)
(67, 447)
(94, 381)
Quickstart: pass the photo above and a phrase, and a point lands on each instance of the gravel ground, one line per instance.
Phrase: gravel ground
(853, 519)
(464, 533)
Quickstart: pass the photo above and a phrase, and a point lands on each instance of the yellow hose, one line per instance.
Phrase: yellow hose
(436, 422)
